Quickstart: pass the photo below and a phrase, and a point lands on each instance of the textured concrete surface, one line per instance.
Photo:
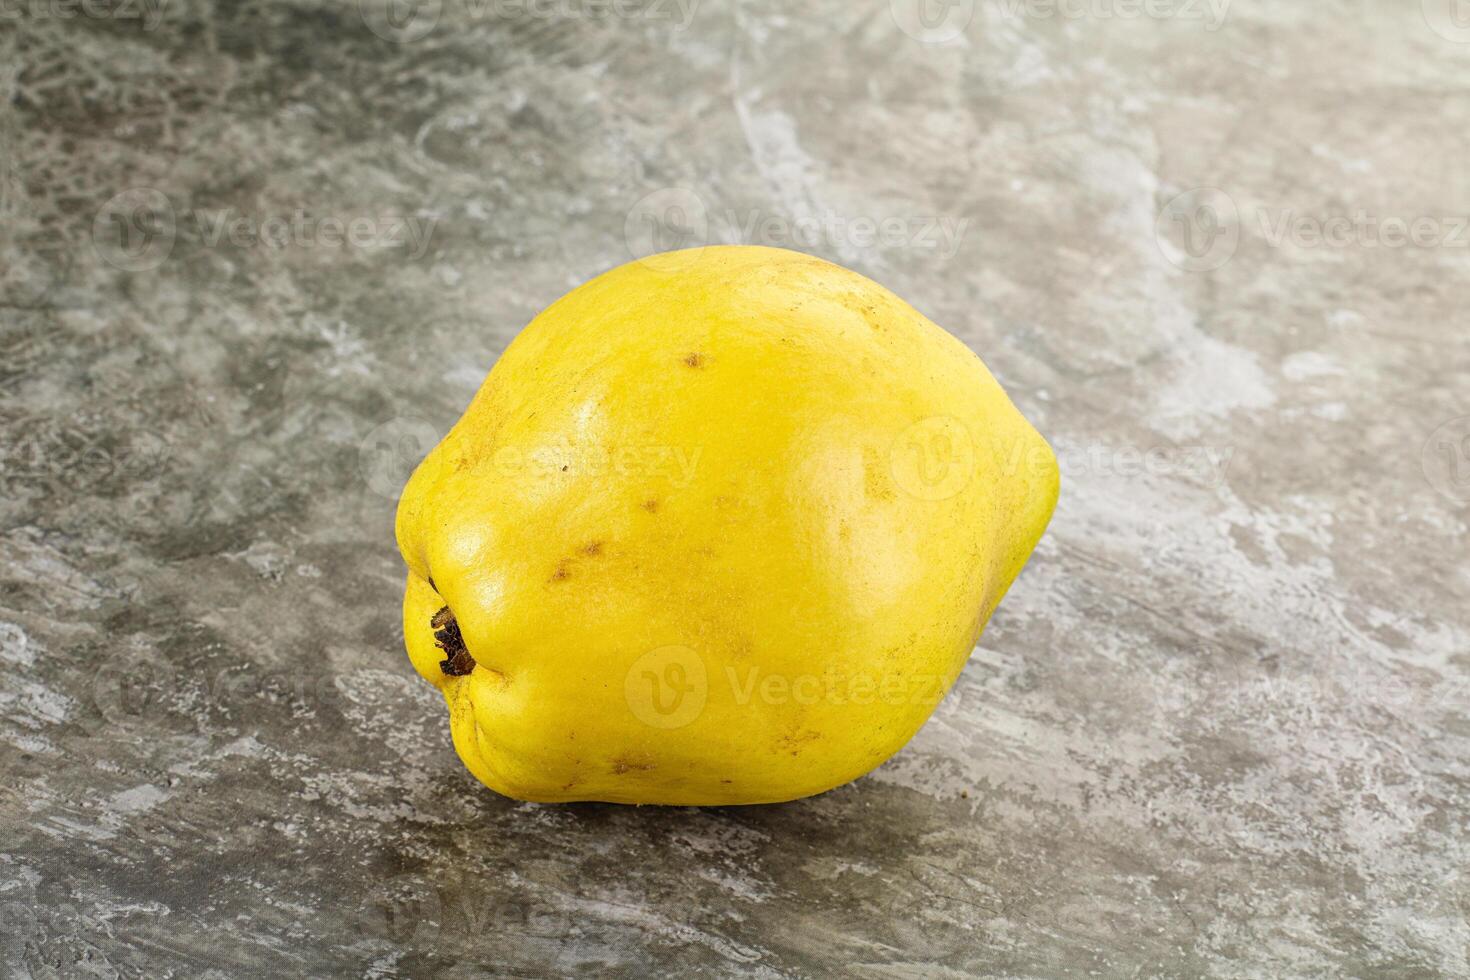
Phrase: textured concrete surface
(1217, 252)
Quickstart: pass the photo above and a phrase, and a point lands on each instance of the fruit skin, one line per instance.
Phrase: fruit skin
(735, 460)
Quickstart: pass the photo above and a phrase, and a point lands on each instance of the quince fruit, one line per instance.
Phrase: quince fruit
(721, 526)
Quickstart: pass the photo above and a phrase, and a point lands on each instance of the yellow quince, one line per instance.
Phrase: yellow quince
(721, 526)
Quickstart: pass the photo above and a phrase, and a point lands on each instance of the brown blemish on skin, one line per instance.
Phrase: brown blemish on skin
(432, 585)
(651, 506)
(448, 638)
(563, 569)
(621, 766)
(695, 360)
(797, 741)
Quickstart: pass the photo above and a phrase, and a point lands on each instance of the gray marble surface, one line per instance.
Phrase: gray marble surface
(1217, 252)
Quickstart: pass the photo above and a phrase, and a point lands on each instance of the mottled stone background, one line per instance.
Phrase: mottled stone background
(1217, 251)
